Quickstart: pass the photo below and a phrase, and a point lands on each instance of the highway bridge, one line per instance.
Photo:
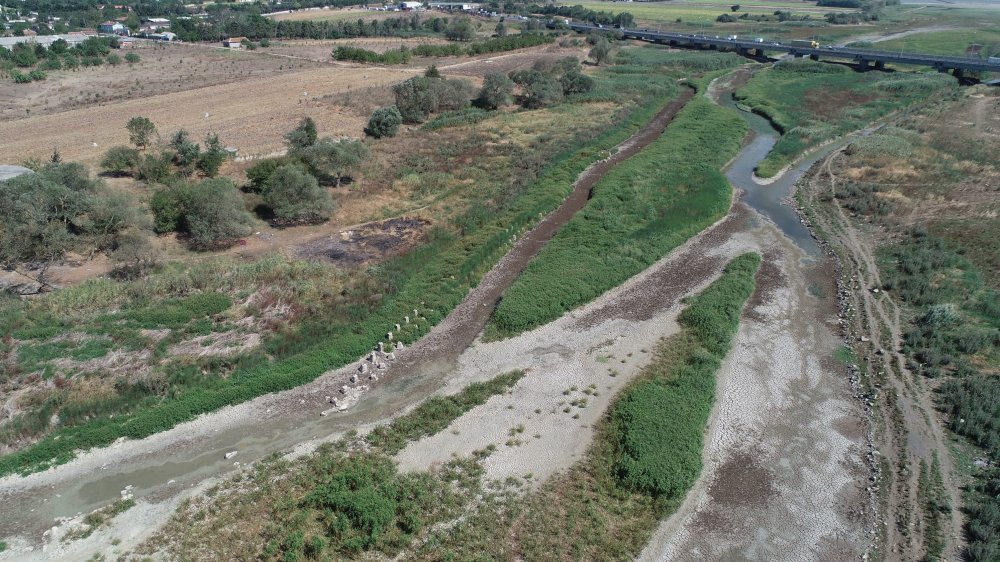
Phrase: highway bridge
(863, 57)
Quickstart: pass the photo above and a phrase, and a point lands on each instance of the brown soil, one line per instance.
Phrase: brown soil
(469, 318)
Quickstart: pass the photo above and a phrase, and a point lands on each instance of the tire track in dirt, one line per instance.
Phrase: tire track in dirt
(910, 430)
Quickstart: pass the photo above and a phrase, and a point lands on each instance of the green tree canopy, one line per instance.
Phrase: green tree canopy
(496, 91)
(140, 131)
(295, 197)
(384, 122)
(302, 136)
(211, 213)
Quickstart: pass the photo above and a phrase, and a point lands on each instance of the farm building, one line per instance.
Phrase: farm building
(455, 6)
(233, 42)
(45, 40)
(113, 28)
(165, 36)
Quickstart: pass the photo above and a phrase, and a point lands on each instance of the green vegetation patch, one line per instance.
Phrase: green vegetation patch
(642, 209)
(812, 102)
(659, 423)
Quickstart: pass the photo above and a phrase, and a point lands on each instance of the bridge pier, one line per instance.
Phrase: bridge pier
(814, 57)
(958, 73)
(880, 65)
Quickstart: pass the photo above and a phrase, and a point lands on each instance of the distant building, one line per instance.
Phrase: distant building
(165, 36)
(112, 28)
(233, 42)
(410, 5)
(455, 6)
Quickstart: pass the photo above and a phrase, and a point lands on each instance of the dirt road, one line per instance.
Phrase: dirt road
(908, 430)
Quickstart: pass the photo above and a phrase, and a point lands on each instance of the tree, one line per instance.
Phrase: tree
(601, 51)
(460, 29)
(734, 8)
(45, 214)
(302, 136)
(211, 160)
(140, 131)
(496, 91)
(59, 47)
(432, 72)
(331, 161)
(186, 152)
(384, 122)
(259, 173)
(120, 160)
(538, 89)
(415, 99)
(132, 58)
(296, 197)
(500, 30)
(210, 213)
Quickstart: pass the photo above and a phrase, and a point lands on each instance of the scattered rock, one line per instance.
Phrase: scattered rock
(230, 455)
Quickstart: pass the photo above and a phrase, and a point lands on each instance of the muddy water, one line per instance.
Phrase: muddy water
(164, 465)
(770, 199)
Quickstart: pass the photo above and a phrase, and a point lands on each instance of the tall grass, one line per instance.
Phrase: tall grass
(642, 209)
(659, 422)
(811, 102)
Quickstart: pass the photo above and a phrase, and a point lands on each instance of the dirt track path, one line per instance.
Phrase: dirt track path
(463, 325)
(910, 431)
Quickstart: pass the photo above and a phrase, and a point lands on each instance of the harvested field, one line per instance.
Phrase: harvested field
(163, 68)
(252, 115)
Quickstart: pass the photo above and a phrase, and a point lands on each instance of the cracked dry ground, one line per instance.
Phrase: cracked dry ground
(785, 476)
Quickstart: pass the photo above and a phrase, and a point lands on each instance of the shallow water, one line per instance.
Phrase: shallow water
(769, 199)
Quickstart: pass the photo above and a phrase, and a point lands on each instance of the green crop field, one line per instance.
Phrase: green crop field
(957, 42)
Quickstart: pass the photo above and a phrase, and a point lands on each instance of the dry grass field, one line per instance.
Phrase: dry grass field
(250, 114)
(162, 69)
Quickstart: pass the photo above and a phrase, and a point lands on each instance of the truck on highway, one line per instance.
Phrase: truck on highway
(807, 43)
(993, 60)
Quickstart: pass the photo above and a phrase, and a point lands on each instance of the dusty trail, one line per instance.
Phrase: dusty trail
(909, 430)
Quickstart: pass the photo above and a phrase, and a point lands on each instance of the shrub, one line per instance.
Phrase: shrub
(259, 173)
(120, 160)
(155, 167)
(295, 197)
(538, 89)
(302, 136)
(37, 75)
(20, 77)
(384, 122)
(496, 91)
(211, 213)
(114, 60)
(132, 58)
